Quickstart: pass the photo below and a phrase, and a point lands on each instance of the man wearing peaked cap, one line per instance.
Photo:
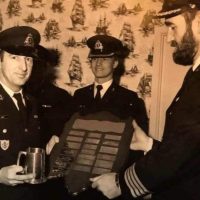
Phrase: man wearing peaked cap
(170, 169)
(105, 94)
(19, 125)
(172, 8)
(22, 40)
(106, 46)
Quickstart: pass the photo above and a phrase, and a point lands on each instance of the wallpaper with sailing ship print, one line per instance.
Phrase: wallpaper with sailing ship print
(66, 25)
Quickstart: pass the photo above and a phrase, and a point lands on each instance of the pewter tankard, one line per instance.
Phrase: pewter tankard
(34, 163)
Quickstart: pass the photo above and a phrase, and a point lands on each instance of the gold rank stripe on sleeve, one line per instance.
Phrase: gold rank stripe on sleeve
(134, 184)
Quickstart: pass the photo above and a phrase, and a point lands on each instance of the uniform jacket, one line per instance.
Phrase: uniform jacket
(55, 108)
(15, 137)
(117, 100)
(171, 169)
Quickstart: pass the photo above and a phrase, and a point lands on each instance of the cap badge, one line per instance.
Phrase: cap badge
(5, 144)
(29, 40)
(192, 6)
(98, 45)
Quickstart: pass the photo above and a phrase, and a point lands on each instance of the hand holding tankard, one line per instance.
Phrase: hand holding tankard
(33, 163)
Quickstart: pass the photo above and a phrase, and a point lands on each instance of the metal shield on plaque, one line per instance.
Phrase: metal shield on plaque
(90, 145)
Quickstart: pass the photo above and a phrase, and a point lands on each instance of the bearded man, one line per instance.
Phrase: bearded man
(170, 170)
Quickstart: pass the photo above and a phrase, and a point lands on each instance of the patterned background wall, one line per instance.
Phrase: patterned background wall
(66, 24)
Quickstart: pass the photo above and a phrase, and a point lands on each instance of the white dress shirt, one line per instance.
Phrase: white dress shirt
(196, 64)
(11, 93)
(105, 86)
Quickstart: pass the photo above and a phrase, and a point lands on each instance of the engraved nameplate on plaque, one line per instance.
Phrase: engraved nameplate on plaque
(90, 145)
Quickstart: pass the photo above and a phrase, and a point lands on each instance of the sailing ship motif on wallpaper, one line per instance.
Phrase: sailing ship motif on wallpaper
(150, 56)
(32, 19)
(14, 8)
(57, 6)
(36, 4)
(137, 8)
(75, 71)
(144, 86)
(148, 23)
(78, 16)
(123, 10)
(133, 71)
(95, 4)
(127, 37)
(71, 42)
(52, 30)
(102, 27)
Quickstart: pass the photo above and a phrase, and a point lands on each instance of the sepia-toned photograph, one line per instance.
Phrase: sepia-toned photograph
(99, 99)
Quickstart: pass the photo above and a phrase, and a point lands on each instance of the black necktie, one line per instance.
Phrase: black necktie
(21, 106)
(98, 94)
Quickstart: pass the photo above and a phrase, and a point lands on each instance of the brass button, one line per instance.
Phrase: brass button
(4, 130)
(177, 99)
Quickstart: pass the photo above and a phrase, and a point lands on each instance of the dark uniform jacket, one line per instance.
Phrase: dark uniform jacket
(171, 170)
(119, 101)
(55, 108)
(15, 137)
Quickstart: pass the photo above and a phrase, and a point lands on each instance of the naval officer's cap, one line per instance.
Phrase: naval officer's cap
(21, 40)
(105, 46)
(172, 8)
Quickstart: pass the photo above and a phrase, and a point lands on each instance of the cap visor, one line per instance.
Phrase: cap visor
(101, 55)
(168, 14)
(22, 51)
(38, 52)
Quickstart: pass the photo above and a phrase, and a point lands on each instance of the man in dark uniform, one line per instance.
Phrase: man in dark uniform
(54, 103)
(170, 170)
(19, 126)
(105, 52)
(55, 109)
(106, 94)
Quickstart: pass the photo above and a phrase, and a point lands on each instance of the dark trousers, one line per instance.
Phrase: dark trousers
(20, 192)
(54, 189)
(91, 194)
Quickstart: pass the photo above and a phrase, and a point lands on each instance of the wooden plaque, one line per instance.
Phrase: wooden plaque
(89, 146)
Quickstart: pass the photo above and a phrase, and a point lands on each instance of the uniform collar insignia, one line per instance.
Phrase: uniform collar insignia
(98, 46)
(4, 144)
(29, 40)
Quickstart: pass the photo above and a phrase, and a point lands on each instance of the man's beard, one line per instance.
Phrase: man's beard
(186, 50)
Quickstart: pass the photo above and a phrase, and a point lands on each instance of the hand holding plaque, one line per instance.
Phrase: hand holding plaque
(90, 145)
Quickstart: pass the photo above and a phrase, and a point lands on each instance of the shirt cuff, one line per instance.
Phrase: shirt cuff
(149, 145)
